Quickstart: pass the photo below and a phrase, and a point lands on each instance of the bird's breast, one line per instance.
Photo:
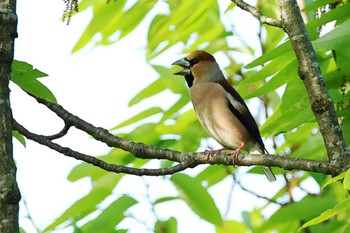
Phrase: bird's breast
(211, 106)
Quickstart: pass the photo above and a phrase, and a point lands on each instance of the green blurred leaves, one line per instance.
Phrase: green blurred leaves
(197, 198)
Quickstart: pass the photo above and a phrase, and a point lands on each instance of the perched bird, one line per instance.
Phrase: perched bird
(220, 109)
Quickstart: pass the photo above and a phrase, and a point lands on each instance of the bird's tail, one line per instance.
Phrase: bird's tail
(267, 170)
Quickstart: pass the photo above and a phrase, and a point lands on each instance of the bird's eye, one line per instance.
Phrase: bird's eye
(194, 61)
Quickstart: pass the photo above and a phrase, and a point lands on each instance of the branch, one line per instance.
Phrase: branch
(310, 72)
(140, 150)
(43, 140)
(262, 18)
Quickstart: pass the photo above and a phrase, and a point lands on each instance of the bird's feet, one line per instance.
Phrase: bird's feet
(210, 153)
(235, 153)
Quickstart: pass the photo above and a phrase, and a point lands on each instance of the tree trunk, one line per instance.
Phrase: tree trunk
(9, 192)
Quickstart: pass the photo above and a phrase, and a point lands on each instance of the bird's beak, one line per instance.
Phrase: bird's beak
(185, 65)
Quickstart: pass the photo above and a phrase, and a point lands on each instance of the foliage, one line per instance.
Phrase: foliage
(273, 74)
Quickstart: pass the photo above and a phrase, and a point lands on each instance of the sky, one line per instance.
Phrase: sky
(95, 84)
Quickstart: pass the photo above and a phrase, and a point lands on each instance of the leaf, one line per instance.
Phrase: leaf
(334, 179)
(230, 7)
(340, 207)
(346, 181)
(316, 4)
(335, 39)
(231, 226)
(26, 77)
(274, 53)
(110, 217)
(138, 117)
(271, 68)
(168, 226)
(183, 101)
(197, 198)
(213, 174)
(19, 137)
(292, 214)
(87, 204)
(113, 22)
(293, 111)
(341, 12)
(165, 199)
(114, 156)
(104, 14)
(287, 74)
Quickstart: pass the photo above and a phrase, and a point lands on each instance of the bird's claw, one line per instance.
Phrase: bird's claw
(210, 153)
(235, 153)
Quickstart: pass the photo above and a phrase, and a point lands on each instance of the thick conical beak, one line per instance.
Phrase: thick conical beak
(185, 65)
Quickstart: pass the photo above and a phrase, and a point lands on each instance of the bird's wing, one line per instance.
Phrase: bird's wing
(239, 108)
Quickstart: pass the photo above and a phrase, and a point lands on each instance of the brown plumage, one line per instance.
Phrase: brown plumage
(220, 109)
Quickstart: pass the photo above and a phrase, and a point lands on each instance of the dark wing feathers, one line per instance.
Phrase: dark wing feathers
(243, 114)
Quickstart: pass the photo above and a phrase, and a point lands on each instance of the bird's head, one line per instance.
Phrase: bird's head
(198, 66)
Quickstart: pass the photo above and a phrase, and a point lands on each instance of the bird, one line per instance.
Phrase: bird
(220, 109)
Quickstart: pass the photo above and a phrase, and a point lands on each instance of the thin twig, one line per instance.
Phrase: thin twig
(262, 18)
(60, 134)
(29, 216)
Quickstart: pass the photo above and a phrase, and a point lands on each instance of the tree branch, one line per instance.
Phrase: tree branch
(262, 18)
(43, 140)
(140, 150)
(310, 72)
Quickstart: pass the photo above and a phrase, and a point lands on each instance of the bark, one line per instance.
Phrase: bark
(9, 192)
(309, 71)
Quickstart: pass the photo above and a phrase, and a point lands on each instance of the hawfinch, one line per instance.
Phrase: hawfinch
(219, 108)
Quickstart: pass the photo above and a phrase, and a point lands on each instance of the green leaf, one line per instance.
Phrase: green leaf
(316, 4)
(213, 174)
(274, 53)
(26, 77)
(175, 108)
(335, 39)
(105, 16)
(87, 204)
(340, 207)
(110, 217)
(197, 198)
(334, 179)
(271, 68)
(168, 226)
(291, 215)
(341, 12)
(165, 199)
(230, 7)
(231, 226)
(286, 74)
(138, 117)
(115, 156)
(183, 25)
(19, 137)
(293, 111)
(346, 181)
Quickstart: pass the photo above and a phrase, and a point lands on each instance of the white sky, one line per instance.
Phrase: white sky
(96, 85)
